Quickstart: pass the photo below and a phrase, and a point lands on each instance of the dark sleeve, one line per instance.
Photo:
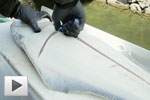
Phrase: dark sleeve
(65, 3)
(8, 7)
(62, 2)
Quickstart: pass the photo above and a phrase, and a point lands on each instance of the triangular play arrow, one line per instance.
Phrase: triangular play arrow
(15, 85)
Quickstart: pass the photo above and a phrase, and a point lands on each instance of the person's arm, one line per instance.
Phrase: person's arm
(13, 8)
(63, 2)
(7, 7)
(65, 11)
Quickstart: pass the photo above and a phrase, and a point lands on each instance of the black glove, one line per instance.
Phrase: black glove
(72, 29)
(65, 13)
(30, 17)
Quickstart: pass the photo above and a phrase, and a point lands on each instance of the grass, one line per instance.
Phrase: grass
(125, 24)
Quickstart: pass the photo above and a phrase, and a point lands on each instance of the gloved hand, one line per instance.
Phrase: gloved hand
(64, 14)
(72, 29)
(30, 17)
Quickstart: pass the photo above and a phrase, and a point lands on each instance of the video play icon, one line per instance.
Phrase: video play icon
(16, 86)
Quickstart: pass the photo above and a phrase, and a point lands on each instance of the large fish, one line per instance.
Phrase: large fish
(14, 59)
(84, 64)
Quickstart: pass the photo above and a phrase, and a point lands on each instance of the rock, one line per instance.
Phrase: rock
(117, 1)
(111, 1)
(147, 10)
(123, 1)
(132, 1)
(126, 6)
(143, 5)
(101, 1)
(142, 0)
(135, 7)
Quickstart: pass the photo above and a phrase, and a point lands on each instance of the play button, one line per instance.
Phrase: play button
(15, 85)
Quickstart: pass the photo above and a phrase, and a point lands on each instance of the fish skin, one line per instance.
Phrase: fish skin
(63, 83)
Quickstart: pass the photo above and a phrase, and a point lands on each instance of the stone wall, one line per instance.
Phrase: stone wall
(135, 5)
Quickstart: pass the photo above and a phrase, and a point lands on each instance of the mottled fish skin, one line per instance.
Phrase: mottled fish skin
(16, 36)
(66, 84)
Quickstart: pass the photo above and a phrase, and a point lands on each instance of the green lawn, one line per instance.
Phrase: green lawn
(122, 23)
